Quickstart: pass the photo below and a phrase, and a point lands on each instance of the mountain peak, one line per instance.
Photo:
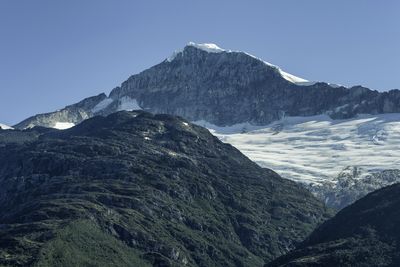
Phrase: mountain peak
(213, 48)
(208, 47)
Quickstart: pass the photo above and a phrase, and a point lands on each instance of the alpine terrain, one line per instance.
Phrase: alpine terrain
(363, 234)
(306, 131)
(137, 189)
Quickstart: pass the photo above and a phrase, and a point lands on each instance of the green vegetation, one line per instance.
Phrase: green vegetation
(363, 234)
(135, 187)
(82, 243)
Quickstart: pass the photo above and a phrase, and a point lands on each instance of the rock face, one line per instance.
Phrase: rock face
(224, 88)
(352, 184)
(363, 234)
(136, 189)
(73, 114)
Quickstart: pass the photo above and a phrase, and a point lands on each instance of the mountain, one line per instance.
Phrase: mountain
(137, 189)
(223, 87)
(363, 234)
(306, 131)
(66, 117)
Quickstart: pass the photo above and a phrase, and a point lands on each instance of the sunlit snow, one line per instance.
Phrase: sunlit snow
(211, 48)
(312, 149)
(5, 127)
(63, 125)
(294, 79)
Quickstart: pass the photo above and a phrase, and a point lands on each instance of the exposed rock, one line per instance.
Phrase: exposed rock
(224, 88)
(75, 114)
(352, 184)
(136, 189)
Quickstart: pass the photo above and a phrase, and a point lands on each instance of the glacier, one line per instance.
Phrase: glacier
(316, 149)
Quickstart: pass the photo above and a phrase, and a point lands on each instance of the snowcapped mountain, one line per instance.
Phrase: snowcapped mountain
(224, 87)
(306, 131)
(213, 48)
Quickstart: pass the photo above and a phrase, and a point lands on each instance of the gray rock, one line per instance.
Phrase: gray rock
(352, 184)
(224, 89)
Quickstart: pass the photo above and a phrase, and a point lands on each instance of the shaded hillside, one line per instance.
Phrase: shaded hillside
(364, 234)
(135, 189)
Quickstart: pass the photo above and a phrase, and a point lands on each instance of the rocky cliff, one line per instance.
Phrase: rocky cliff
(352, 184)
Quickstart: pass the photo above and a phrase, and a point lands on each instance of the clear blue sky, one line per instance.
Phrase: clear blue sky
(54, 53)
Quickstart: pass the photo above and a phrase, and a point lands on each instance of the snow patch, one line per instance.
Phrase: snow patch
(128, 104)
(174, 55)
(63, 125)
(208, 47)
(287, 76)
(294, 79)
(102, 105)
(334, 85)
(5, 127)
(211, 48)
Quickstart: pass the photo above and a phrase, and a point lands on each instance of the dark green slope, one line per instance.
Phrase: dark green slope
(367, 233)
(133, 188)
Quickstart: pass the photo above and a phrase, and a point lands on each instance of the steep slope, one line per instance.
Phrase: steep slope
(224, 87)
(14, 137)
(363, 234)
(327, 156)
(324, 126)
(352, 184)
(66, 117)
(134, 189)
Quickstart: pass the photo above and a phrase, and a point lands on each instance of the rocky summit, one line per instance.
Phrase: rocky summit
(364, 234)
(137, 189)
(224, 87)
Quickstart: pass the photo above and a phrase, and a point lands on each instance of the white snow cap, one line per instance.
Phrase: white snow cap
(211, 48)
(63, 125)
(208, 47)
